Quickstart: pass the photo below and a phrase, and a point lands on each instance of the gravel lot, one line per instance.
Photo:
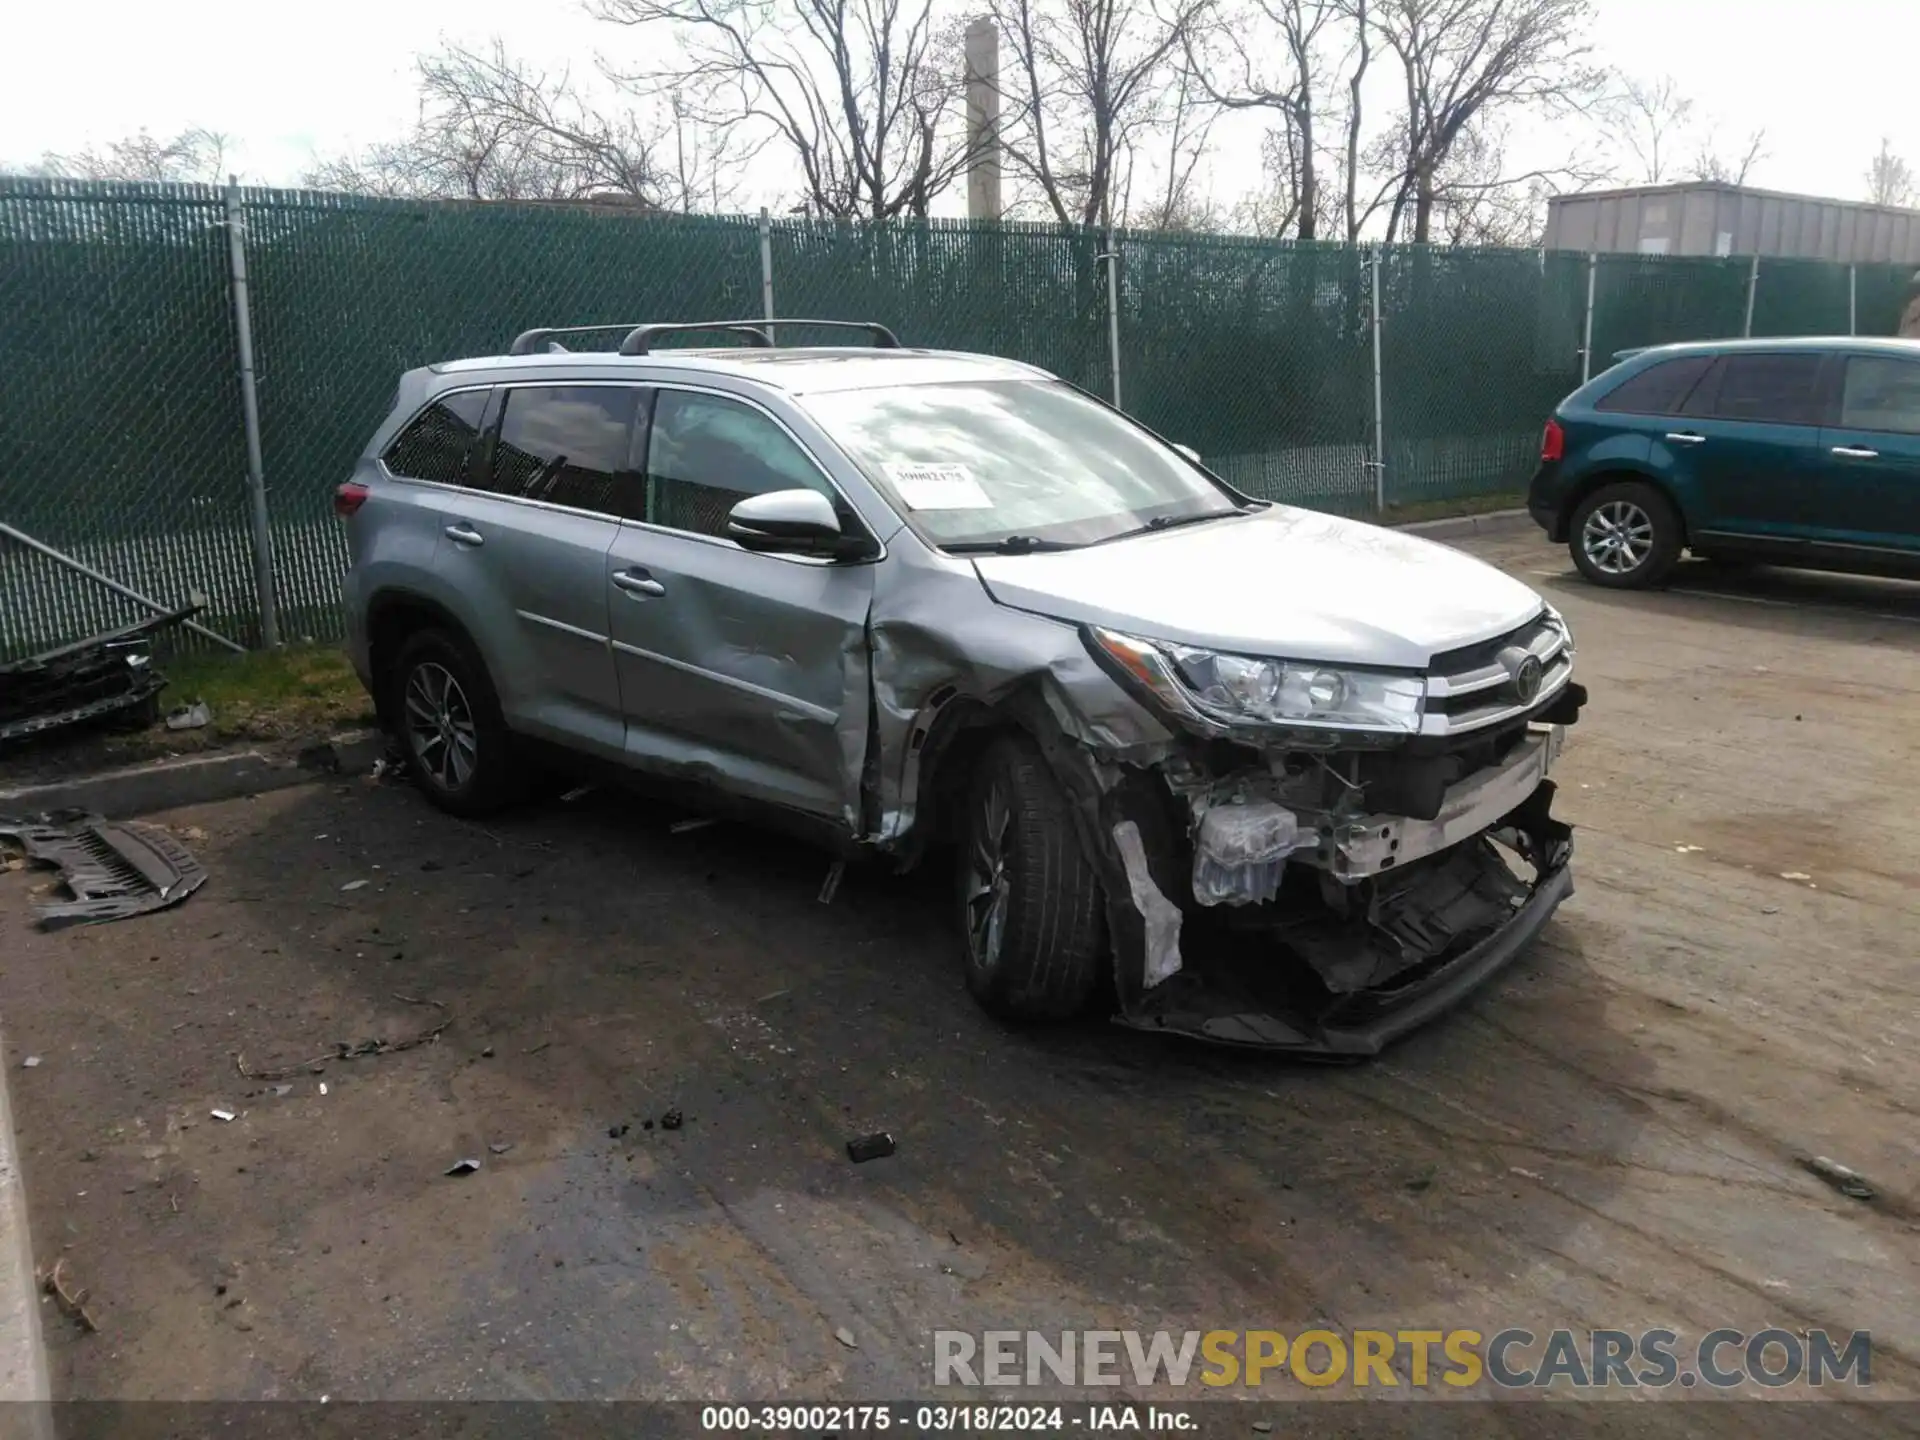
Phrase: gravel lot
(1608, 1136)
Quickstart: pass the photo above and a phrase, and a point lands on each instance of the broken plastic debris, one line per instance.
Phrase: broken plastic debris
(1526, 1174)
(221, 1114)
(31, 1062)
(500, 1147)
(189, 717)
(1848, 1182)
(672, 1120)
(681, 827)
(283, 1090)
(355, 885)
(323, 1087)
(876, 1146)
(463, 1167)
(1689, 849)
(830, 887)
(845, 1337)
(575, 794)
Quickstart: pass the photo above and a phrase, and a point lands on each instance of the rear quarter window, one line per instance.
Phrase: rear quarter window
(439, 442)
(1778, 389)
(1659, 389)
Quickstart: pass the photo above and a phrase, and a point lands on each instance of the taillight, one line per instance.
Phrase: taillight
(1553, 441)
(348, 499)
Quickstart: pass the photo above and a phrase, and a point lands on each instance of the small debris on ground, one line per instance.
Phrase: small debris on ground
(1795, 875)
(845, 1337)
(32, 1062)
(876, 1146)
(1421, 1181)
(575, 794)
(1848, 1182)
(830, 887)
(616, 1132)
(681, 827)
(358, 1050)
(1689, 849)
(355, 885)
(222, 1114)
(1525, 1174)
(1263, 1427)
(463, 1167)
(500, 1147)
(189, 717)
(72, 1302)
(672, 1120)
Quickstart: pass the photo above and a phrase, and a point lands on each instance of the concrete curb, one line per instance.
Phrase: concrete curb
(23, 1355)
(1493, 522)
(197, 780)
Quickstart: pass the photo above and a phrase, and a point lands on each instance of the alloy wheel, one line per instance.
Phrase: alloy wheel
(440, 728)
(1618, 537)
(988, 886)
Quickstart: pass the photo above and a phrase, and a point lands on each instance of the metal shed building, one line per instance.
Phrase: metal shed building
(1710, 218)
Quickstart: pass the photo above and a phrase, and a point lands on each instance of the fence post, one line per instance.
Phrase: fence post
(1586, 325)
(1753, 285)
(1853, 299)
(766, 270)
(1379, 414)
(250, 417)
(1112, 257)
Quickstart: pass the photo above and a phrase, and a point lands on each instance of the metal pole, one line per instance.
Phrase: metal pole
(1586, 326)
(766, 270)
(62, 558)
(1112, 257)
(250, 414)
(1853, 299)
(1753, 285)
(1379, 414)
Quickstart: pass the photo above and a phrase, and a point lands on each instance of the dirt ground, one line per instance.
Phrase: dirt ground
(1606, 1136)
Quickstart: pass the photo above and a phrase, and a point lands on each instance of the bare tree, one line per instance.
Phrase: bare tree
(1363, 51)
(493, 128)
(1462, 60)
(1234, 56)
(1650, 120)
(1890, 179)
(1728, 168)
(1088, 82)
(863, 94)
(192, 155)
(1178, 203)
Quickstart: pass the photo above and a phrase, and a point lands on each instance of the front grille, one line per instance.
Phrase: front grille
(1480, 684)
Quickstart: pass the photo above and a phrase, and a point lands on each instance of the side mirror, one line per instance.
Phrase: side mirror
(792, 522)
(1191, 453)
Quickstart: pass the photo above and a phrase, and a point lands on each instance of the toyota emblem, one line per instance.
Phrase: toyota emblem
(1526, 679)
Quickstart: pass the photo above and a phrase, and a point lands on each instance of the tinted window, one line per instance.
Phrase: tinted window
(1881, 394)
(1777, 388)
(568, 445)
(1659, 389)
(439, 441)
(708, 453)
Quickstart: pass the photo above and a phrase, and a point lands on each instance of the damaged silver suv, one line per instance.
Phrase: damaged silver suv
(1250, 773)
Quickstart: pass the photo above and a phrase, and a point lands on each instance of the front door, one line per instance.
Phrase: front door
(749, 670)
(1871, 494)
(1747, 443)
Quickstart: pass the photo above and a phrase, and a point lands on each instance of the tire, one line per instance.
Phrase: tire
(457, 746)
(1625, 536)
(1030, 904)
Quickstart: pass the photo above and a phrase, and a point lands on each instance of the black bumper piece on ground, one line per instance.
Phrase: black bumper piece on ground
(114, 869)
(110, 674)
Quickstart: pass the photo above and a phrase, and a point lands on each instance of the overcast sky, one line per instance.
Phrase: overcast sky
(1825, 78)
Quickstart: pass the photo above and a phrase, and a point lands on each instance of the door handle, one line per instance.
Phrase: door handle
(1856, 452)
(462, 533)
(639, 584)
(1686, 437)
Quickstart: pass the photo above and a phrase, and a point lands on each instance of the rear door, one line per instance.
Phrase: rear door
(527, 544)
(1872, 453)
(748, 670)
(1745, 445)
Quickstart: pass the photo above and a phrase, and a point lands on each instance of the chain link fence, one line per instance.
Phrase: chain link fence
(1333, 376)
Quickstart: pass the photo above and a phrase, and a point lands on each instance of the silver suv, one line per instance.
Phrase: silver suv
(1246, 772)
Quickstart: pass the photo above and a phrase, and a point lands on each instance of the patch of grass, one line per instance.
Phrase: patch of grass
(279, 694)
(1443, 509)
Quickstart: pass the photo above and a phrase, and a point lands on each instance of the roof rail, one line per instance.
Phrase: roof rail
(529, 342)
(639, 339)
(640, 342)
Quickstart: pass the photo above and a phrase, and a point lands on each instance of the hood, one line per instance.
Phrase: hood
(1294, 584)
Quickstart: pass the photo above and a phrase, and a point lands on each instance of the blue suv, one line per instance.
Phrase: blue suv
(1789, 452)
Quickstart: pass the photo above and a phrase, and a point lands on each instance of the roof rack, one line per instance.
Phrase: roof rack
(639, 338)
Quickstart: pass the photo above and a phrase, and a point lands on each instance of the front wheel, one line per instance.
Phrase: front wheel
(1030, 903)
(1626, 536)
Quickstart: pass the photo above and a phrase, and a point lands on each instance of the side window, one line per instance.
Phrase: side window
(1778, 389)
(568, 445)
(1658, 389)
(1881, 394)
(708, 453)
(438, 443)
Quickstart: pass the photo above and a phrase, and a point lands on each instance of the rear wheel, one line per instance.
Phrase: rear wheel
(1625, 536)
(1030, 904)
(456, 744)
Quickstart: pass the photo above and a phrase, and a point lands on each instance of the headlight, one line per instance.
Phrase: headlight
(1234, 691)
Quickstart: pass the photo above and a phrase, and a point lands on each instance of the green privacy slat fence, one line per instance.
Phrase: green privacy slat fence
(120, 404)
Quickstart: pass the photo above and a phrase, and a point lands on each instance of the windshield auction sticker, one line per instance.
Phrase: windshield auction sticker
(938, 487)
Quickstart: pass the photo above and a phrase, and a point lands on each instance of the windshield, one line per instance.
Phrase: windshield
(1031, 460)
